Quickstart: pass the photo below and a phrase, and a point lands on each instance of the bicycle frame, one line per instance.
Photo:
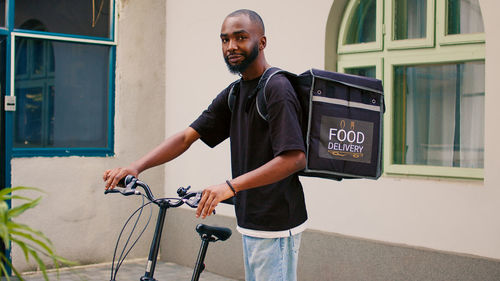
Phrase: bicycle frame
(155, 244)
(155, 247)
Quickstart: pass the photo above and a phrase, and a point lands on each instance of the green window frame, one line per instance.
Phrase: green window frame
(436, 48)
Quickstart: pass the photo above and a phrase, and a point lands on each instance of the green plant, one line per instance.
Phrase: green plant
(32, 242)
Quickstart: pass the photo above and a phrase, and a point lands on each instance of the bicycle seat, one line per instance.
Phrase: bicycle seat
(221, 233)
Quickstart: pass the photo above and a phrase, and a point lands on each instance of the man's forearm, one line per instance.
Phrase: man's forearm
(167, 150)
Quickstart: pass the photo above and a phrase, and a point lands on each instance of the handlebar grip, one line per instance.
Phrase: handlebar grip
(114, 190)
(128, 179)
(123, 191)
(121, 183)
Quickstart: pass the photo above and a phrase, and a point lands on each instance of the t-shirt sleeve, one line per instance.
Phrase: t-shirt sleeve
(214, 123)
(284, 112)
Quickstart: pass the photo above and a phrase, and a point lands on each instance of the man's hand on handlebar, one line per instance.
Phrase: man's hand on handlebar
(211, 197)
(113, 176)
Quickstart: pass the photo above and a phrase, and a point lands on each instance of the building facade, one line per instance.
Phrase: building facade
(433, 215)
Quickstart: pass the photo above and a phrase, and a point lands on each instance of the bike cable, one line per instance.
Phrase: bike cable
(121, 259)
(114, 271)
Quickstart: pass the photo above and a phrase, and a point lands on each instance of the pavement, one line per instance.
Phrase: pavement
(129, 271)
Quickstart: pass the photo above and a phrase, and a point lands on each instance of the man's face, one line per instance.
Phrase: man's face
(240, 42)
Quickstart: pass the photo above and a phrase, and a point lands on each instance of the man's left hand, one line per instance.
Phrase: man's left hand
(211, 197)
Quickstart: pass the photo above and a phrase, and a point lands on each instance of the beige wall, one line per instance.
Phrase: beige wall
(452, 215)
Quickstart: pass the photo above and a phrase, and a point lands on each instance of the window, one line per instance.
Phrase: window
(363, 27)
(62, 65)
(2, 13)
(461, 23)
(369, 71)
(363, 24)
(63, 102)
(410, 18)
(463, 17)
(432, 65)
(440, 114)
(86, 18)
(3, 43)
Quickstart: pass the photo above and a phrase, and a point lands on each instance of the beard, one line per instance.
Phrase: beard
(245, 63)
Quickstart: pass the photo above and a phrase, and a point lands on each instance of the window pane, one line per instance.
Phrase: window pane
(464, 16)
(3, 63)
(410, 19)
(439, 115)
(88, 18)
(362, 71)
(62, 94)
(3, 44)
(363, 23)
(2, 13)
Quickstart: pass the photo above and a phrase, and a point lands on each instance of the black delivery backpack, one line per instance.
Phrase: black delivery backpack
(341, 124)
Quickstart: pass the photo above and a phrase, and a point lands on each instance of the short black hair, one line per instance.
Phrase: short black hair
(254, 17)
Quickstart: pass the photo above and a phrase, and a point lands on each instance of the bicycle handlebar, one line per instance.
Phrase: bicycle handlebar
(130, 184)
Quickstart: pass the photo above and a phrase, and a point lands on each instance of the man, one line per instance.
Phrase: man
(265, 155)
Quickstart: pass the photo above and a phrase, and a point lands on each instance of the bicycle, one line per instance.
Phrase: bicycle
(207, 233)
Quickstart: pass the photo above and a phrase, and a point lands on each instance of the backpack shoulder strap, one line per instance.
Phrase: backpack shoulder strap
(234, 89)
(260, 100)
(259, 91)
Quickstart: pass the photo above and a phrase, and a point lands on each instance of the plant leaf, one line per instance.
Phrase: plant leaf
(32, 242)
(16, 211)
(12, 226)
(7, 261)
(41, 264)
(25, 249)
(2, 266)
(7, 190)
(30, 238)
(17, 197)
(4, 232)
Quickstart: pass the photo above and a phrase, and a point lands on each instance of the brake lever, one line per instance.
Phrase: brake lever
(193, 199)
(126, 186)
(124, 191)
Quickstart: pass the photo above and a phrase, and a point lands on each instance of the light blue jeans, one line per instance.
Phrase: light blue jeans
(271, 259)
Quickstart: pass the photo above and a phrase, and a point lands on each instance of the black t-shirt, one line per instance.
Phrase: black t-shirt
(254, 142)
